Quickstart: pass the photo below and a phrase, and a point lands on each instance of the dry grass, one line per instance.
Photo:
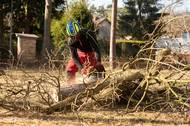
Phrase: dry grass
(93, 117)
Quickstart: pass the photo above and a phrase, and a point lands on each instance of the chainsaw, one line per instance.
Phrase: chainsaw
(93, 73)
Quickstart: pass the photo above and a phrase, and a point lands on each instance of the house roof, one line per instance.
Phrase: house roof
(99, 19)
(26, 35)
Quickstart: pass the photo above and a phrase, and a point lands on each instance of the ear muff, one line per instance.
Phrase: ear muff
(72, 28)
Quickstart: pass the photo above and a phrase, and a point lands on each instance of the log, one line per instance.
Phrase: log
(75, 88)
(70, 90)
(119, 76)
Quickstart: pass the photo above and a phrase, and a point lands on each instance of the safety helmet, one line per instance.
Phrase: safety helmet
(72, 28)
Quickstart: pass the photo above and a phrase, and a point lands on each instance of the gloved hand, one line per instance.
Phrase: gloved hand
(99, 67)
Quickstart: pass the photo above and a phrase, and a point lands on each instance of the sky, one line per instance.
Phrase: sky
(184, 7)
(104, 2)
(98, 3)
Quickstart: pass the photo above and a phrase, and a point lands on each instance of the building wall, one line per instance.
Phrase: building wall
(104, 31)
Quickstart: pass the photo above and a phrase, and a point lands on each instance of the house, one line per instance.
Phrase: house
(176, 45)
(103, 27)
(179, 47)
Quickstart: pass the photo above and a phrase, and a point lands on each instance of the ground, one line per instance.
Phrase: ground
(93, 117)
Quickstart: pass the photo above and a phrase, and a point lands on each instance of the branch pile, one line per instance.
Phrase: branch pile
(150, 88)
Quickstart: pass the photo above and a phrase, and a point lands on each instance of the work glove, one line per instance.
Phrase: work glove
(99, 67)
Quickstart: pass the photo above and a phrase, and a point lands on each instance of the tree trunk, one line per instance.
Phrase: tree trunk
(112, 34)
(1, 27)
(47, 23)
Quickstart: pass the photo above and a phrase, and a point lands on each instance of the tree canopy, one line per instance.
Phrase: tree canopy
(28, 16)
(139, 18)
(77, 11)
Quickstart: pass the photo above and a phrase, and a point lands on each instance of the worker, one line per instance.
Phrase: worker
(85, 53)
